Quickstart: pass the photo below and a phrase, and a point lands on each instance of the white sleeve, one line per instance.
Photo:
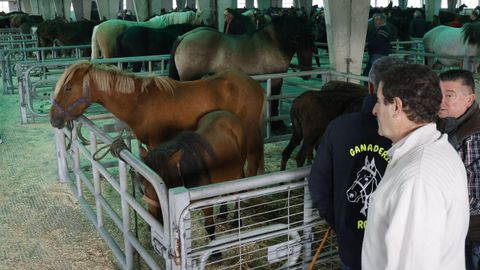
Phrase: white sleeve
(416, 228)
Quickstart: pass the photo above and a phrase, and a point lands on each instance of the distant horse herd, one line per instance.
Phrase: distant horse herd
(205, 123)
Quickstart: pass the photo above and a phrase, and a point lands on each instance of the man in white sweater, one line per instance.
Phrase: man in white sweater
(418, 216)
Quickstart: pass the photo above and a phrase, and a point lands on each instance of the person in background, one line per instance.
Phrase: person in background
(378, 44)
(475, 15)
(455, 22)
(460, 119)
(233, 23)
(418, 28)
(349, 164)
(418, 215)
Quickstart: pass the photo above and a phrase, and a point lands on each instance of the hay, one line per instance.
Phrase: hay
(41, 225)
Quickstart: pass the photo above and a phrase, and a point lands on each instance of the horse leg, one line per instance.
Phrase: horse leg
(278, 126)
(292, 144)
(222, 215)
(154, 209)
(255, 149)
(209, 225)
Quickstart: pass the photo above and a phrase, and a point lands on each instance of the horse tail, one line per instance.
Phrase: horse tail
(95, 48)
(471, 33)
(172, 70)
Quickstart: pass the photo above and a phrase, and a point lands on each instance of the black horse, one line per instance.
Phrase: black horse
(141, 41)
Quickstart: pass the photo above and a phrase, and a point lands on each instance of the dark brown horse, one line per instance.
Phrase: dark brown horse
(214, 153)
(205, 51)
(313, 110)
(64, 33)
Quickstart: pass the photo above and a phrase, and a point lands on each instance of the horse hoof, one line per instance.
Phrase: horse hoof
(236, 223)
(216, 256)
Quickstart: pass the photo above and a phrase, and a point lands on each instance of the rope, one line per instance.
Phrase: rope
(69, 127)
(324, 240)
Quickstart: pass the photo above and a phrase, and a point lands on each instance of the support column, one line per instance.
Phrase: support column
(263, 5)
(59, 9)
(451, 5)
(140, 9)
(130, 5)
(67, 4)
(181, 4)
(191, 4)
(26, 7)
(346, 38)
(47, 9)
(167, 5)
(221, 6)
(432, 7)
(249, 4)
(107, 9)
(403, 4)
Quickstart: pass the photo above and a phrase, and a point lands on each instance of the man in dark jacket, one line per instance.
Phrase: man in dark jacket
(378, 44)
(418, 28)
(460, 119)
(349, 164)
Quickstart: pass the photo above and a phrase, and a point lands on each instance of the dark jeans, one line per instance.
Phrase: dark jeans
(472, 255)
(371, 59)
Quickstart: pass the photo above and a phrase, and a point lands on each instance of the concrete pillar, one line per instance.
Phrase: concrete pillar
(107, 9)
(82, 9)
(263, 5)
(221, 6)
(208, 11)
(249, 4)
(191, 4)
(140, 9)
(432, 7)
(181, 4)
(59, 9)
(451, 4)
(47, 9)
(33, 7)
(403, 4)
(26, 6)
(346, 24)
(130, 5)
(67, 4)
(155, 7)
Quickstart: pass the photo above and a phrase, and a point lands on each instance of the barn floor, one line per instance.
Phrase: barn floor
(41, 224)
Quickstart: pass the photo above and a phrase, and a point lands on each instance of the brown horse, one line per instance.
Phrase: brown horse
(205, 51)
(313, 110)
(104, 36)
(156, 109)
(214, 153)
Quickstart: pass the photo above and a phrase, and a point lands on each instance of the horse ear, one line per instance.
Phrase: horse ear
(372, 163)
(366, 161)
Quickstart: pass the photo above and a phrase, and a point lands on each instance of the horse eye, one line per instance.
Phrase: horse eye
(67, 88)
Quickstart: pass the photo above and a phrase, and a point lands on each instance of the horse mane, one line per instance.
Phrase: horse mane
(192, 164)
(292, 29)
(110, 78)
(174, 18)
(471, 33)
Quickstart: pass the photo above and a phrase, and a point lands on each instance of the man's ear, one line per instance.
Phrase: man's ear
(470, 100)
(398, 105)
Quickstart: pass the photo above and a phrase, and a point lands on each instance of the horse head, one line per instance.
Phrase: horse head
(295, 36)
(364, 184)
(71, 96)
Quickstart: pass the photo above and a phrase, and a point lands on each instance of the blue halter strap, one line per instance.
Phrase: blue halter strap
(84, 99)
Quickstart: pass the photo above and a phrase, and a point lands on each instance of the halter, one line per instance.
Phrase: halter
(84, 99)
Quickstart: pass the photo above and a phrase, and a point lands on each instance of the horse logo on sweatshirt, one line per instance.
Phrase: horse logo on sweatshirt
(367, 180)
